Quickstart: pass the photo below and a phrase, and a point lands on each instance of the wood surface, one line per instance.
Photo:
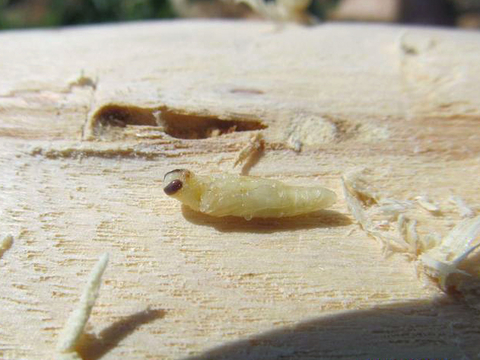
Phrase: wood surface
(91, 119)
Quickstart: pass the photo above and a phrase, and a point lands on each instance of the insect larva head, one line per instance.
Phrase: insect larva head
(175, 180)
(184, 186)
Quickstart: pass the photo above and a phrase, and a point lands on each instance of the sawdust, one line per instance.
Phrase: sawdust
(438, 257)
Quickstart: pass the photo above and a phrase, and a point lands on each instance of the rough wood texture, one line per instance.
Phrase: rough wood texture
(91, 119)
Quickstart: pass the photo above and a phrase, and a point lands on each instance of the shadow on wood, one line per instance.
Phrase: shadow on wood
(92, 347)
(440, 328)
(317, 219)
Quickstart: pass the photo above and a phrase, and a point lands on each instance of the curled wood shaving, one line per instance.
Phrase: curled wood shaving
(408, 232)
(416, 245)
(443, 259)
(255, 146)
(355, 207)
(393, 208)
(295, 144)
(427, 204)
(438, 257)
(357, 184)
(76, 322)
(464, 210)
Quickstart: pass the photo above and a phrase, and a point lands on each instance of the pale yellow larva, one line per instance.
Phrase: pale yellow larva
(244, 196)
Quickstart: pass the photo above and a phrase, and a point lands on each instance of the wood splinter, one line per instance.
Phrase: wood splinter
(75, 325)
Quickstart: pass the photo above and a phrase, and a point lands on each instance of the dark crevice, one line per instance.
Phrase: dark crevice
(113, 121)
(121, 116)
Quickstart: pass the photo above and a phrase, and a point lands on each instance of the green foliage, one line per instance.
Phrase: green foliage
(16, 14)
(51, 13)
(321, 8)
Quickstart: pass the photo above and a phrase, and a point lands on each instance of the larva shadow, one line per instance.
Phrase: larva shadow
(317, 219)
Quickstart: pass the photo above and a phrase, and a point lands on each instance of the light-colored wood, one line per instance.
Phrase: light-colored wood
(76, 182)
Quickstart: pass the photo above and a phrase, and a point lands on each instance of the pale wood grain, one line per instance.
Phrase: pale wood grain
(401, 101)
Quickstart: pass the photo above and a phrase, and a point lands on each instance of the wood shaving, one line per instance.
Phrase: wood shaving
(438, 257)
(76, 322)
(295, 144)
(5, 244)
(255, 146)
(393, 208)
(407, 230)
(427, 204)
(463, 209)
(350, 232)
(355, 206)
(358, 185)
(443, 259)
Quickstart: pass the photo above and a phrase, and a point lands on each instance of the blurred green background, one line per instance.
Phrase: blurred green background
(16, 14)
(52, 13)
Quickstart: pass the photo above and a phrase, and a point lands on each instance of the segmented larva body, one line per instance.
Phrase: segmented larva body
(244, 196)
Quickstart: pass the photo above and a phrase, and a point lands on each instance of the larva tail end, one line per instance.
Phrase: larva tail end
(330, 198)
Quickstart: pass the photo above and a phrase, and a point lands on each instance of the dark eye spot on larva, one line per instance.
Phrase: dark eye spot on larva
(173, 187)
